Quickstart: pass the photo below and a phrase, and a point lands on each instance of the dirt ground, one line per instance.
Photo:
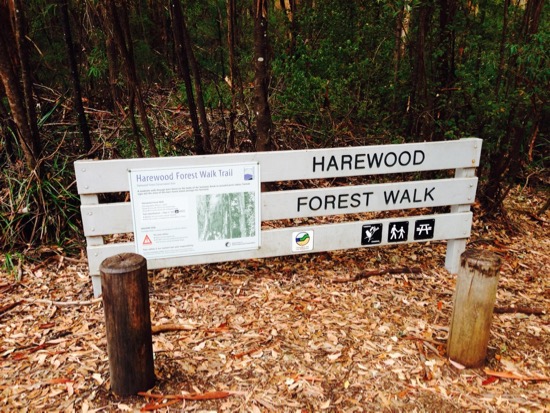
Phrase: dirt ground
(308, 333)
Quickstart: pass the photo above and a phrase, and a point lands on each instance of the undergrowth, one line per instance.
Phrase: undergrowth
(39, 211)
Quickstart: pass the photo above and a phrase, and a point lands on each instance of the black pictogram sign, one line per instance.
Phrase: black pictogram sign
(398, 231)
(371, 234)
(424, 229)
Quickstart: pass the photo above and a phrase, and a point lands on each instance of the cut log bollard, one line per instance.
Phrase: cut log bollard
(474, 300)
(128, 323)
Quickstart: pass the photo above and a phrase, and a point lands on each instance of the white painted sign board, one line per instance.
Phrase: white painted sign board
(194, 210)
(155, 224)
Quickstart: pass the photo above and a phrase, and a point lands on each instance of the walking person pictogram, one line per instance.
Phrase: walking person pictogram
(399, 231)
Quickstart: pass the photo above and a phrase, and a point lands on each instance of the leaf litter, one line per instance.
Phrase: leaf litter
(345, 331)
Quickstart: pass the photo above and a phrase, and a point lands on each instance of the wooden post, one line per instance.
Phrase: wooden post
(128, 323)
(474, 300)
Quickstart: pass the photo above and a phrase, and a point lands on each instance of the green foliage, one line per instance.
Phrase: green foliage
(97, 63)
(34, 210)
(338, 71)
(12, 264)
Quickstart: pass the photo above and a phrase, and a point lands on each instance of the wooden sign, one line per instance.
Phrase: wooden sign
(102, 220)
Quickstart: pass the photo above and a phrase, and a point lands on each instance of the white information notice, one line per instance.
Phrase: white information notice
(196, 210)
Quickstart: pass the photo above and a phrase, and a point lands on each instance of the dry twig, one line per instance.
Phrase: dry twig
(523, 310)
(372, 273)
(62, 303)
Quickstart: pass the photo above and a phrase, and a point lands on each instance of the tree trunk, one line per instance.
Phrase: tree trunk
(502, 48)
(7, 127)
(113, 63)
(25, 73)
(122, 37)
(184, 70)
(193, 65)
(400, 34)
(263, 140)
(288, 7)
(133, 123)
(420, 123)
(10, 79)
(231, 32)
(447, 12)
(79, 107)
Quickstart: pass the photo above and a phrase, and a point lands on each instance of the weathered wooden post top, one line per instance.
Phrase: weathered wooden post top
(474, 301)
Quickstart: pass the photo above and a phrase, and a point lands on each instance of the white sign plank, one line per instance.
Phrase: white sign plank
(112, 218)
(277, 242)
(110, 175)
(367, 198)
(195, 210)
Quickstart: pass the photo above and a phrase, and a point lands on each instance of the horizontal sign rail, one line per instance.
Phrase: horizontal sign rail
(111, 175)
(277, 242)
(116, 218)
(367, 198)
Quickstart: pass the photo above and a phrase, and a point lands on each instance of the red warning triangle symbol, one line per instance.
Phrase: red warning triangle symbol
(147, 240)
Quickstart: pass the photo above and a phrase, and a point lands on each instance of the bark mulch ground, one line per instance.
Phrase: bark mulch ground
(348, 331)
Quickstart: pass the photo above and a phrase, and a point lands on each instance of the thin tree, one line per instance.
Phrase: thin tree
(400, 35)
(446, 63)
(235, 80)
(7, 127)
(77, 91)
(120, 27)
(114, 70)
(502, 47)
(185, 73)
(22, 45)
(289, 9)
(231, 35)
(10, 74)
(420, 124)
(196, 73)
(262, 140)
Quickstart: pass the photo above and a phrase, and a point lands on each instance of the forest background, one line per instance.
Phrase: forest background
(135, 78)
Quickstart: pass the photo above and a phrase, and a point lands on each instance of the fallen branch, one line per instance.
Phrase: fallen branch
(311, 379)
(264, 345)
(176, 398)
(151, 407)
(372, 273)
(62, 303)
(8, 307)
(427, 373)
(515, 376)
(532, 215)
(162, 328)
(427, 340)
(426, 343)
(523, 310)
(211, 395)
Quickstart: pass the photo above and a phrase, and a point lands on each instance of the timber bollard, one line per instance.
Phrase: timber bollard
(128, 323)
(474, 301)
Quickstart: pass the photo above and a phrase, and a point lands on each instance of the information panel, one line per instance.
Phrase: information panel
(195, 210)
